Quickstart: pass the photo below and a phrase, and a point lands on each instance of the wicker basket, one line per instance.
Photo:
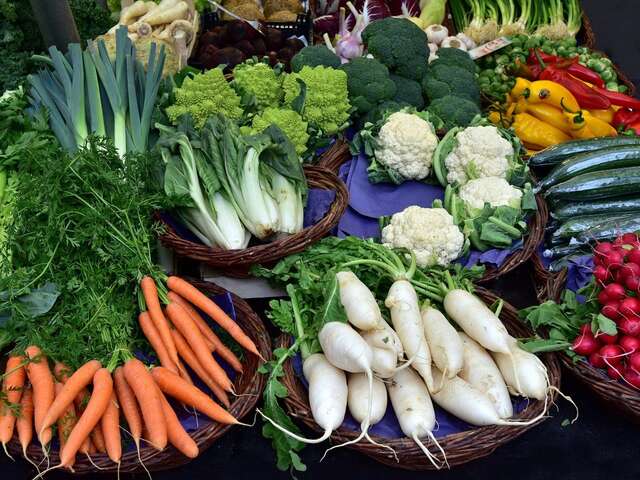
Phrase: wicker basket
(236, 263)
(461, 447)
(249, 386)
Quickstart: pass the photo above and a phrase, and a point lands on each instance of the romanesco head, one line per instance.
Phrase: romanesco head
(326, 105)
(204, 95)
(260, 80)
(289, 121)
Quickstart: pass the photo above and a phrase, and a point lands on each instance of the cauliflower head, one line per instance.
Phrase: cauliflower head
(260, 80)
(289, 121)
(480, 152)
(326, 105)
(495, 191)
(428, 232)
(405, 144)
(205, 95)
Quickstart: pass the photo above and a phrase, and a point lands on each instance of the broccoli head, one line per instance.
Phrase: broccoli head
(408, 91)
(399, 44)
(455, 57)
(260, 81)
(369, 83)
(454, 111)
(313, 56)
(442, 80)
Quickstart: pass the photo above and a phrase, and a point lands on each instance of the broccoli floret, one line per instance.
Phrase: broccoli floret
(454, 111)
(408, 91)
(442, 80)
(289, 121)
(369, 83)
(399, 44)
(259, 80)
(314, 56)
(455, 58)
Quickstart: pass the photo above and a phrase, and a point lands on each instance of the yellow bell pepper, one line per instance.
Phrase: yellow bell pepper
(520, 88)
(536, 132)
(604, 115)
(551, 93)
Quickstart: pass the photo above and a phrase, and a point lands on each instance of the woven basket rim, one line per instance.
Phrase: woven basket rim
(460, 447)
(339, 153)
(238, 262)
(250, 384)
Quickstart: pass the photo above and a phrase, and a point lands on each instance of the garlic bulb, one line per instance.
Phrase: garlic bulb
(436, 33)
(453, 42)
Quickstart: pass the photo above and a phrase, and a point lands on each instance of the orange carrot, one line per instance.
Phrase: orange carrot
(194, 338)
(200, 300)
(178, 436)
(185, 352)
(72, 387)
(182, 371)
(102, 390)
(44, 391)
(66, 421)
(91, 448)
(150, 292)
(24, 423)
(110, 424)
(174, 386)
(12, 386)
(143, 386)
(129, 405)
(213, 342)
(97, 438)
(153, 336)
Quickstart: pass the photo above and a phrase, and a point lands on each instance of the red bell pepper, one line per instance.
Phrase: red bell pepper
(586, 96)
(625, 117)
(620, 99)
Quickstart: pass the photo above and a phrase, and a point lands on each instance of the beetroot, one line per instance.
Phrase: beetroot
(629, 344)
(630, 326)
(585, 345)
(260, 47)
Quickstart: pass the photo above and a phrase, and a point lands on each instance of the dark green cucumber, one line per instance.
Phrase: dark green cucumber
(615, 206)
(605, 159)
(610, 230)
(580, 225)
(556, 154)
(618, 182)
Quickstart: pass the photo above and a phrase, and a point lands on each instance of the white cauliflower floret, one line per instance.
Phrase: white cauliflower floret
(480, 152)
(406, 144)
(492, 190)
(429, 232)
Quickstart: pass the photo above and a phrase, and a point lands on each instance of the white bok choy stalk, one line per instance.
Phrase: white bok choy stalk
(190, 180)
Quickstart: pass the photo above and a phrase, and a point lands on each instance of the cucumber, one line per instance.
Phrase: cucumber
(610, 230)
(581, 225)
(562, 151)
(570, 210)
(605, 159)
(618, 182)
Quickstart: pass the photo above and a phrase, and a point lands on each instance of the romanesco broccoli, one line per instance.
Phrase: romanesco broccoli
(326, 105)
(203, 96)
(259, 80)
(289, 121)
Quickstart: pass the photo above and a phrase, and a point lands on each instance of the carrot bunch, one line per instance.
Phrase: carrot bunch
(90, 422)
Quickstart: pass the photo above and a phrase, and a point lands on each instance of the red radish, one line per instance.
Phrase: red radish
(634, 361)
(630, 270)
(603, 298)
(602, 249)
(585, 345)
(629, 344)
(632, 377)
(611, 310)
(586, 329)
(630, 306)
(629, 238)
(607, 339)
(615, 291)
(613, 260)
(600, 273)
(614, 373)
(596, 360)
(632, 283)
(612, 354)
(634, 256)
(630, 326)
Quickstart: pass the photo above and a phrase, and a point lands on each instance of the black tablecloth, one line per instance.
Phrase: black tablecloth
(602, 444)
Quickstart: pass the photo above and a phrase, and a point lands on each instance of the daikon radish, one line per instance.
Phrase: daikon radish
(482, 373)
(359, 303)
(444, 342)
(530, 378)
(385, 358)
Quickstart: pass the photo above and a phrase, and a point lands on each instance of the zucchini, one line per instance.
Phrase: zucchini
(556, 154)
(580, 225)
(578, 209)
(605, 159)
(618, 182)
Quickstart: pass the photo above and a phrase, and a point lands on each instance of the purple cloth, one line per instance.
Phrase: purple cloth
(388, 427)
(368, 202)
(579, 269)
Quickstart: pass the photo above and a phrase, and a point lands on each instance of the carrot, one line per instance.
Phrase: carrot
(182, 371)
(80, 403)
(187, 354)
(143, 386)
(178, 436)
(128, 404)
(61, 372)
(194, 338)
(213, 342)
(97, 438)
(200, 300)
(174, 386)
(110, 424)
(72, 387)
(151, 333)
(91, 448)
(44, 390)
(66, 421)
(24, 423)
(150, 292)
(102, 390)
(12, 386)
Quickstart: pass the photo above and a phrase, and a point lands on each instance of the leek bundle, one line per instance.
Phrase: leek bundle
(87, 92)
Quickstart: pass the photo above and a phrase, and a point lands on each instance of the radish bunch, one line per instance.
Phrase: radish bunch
(617, 274)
